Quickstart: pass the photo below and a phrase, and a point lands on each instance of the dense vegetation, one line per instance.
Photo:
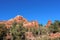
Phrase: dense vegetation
(18, 31)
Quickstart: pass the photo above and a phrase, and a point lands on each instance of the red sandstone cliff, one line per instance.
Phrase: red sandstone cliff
(20, 19)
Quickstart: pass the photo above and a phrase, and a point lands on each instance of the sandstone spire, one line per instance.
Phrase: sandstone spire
(49, 23)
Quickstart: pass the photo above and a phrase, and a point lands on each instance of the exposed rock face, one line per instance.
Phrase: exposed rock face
(8, 36)
(56, 35)
(49, 23)
(20, 19)
(31, 24)
(9, 23)
(29, 36)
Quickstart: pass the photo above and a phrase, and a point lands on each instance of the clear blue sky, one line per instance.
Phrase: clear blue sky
(40, 10)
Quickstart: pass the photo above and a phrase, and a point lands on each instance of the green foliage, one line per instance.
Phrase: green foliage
(43, 30)
(3, 31)
(54, 27)
(40, 25)
(18, 31)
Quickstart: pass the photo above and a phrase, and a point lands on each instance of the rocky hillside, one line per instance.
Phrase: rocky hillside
(20, 19)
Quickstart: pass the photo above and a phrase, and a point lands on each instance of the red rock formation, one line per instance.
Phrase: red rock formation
(35, 24)
(31, 24)
(8, 36)
(9, 23)
(24, 20)
(56, 35)
(29, 36)
(20, 19)
(49, 23)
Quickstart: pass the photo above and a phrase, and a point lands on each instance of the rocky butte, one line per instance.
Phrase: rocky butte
(19, 19)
